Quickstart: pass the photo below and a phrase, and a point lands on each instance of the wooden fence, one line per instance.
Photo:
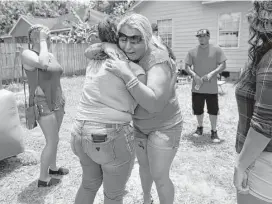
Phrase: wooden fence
(70, 56)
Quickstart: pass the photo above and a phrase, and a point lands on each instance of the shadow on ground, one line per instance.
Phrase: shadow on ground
(199, 141)
(27, 158)
(32, 194)
(8, 165)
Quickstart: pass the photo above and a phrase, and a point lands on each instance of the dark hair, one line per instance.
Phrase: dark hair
(33, 29)
(154, 27)
(107, 29)
(260, 42)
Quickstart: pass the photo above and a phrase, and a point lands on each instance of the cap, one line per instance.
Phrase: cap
(202, 32)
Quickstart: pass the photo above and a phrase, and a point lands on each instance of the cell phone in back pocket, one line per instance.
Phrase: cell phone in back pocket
(98, 138)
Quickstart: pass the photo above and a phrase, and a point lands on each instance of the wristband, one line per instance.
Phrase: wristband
(133, 82)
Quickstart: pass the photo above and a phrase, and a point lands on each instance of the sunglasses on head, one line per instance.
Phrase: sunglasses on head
(132, 39)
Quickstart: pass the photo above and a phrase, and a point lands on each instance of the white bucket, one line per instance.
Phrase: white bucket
(11, 131)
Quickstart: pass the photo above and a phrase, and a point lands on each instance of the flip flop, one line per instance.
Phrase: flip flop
(51, 182)
(61, 171)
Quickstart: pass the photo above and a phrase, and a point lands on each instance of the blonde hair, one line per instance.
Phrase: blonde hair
(140, 23)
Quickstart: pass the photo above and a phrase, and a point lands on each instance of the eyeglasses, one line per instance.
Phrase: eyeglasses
(133, 39)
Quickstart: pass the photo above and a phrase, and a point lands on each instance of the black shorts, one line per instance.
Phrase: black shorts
(198, 102)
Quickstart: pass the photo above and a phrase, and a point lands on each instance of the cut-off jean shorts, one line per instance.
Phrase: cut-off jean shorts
(260, 177)
(110, 162)
(43, 108)
(161, 139)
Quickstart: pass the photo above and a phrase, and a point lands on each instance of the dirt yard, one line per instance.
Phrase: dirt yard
(201, 171)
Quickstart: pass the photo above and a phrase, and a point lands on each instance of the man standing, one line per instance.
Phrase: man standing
(207, 61)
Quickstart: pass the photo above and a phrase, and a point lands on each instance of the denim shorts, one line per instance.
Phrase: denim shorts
(162, 139)
(260, 177)
(119, 147)
(43, 108)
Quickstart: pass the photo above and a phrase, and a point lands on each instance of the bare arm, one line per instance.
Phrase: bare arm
(138, 71)
(155, 94)
(189, 70)
(221, 61)
(94, 51)
(221, 67)
(31, 61)
(160, 86)
(254, 145)
(44, 54)
(259, 134)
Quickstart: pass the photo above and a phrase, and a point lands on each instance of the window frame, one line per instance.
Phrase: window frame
(172, 34)
(239, 31)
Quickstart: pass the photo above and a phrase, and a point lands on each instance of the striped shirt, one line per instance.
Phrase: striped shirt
(254, 100)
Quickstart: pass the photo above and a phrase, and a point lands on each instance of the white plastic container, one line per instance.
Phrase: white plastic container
(11, 131)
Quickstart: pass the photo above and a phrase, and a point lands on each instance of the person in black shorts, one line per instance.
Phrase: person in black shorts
(208, 61)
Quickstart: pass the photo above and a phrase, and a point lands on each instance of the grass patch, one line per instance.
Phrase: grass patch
(202, 172)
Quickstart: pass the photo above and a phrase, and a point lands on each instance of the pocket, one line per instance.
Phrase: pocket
(101, 153)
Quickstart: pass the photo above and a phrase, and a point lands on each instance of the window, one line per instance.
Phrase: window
(229, 26)
(165, 31)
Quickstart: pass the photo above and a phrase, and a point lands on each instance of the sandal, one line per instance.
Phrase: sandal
(51, 182)
(61, 171)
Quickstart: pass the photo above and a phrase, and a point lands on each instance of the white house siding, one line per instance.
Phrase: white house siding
(189, 16)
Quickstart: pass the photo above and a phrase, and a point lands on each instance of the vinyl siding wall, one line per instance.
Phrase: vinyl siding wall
(190, 16)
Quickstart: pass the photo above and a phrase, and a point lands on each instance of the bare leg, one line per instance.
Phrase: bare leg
(213, 120)
(200, 120)
(160, 162)
(50, 128)
(144, 170)
(59, 117)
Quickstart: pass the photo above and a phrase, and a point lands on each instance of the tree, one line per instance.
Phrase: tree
(111, 7)
(10, 11)
(82, 32)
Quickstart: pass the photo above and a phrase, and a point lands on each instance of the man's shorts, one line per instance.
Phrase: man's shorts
(198, 102)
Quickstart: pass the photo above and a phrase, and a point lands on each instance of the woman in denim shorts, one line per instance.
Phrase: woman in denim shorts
(157, 119)
(253, 169)
(102, 136)
(45, 93)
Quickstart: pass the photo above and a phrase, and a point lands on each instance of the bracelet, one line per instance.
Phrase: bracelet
(133, 82)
